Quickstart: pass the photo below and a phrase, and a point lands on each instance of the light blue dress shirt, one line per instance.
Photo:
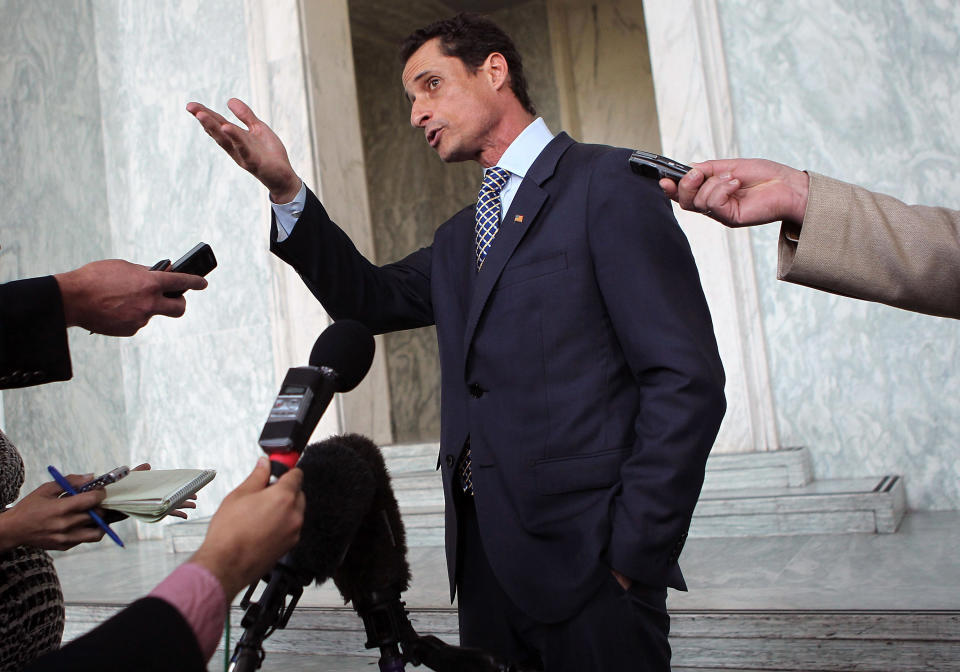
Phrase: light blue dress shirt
(518, 158)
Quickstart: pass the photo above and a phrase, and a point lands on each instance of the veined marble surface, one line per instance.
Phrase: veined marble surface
(102, 160)
(865, 92)
(55, 218)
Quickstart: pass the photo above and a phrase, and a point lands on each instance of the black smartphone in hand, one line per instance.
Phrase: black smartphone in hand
(657, 167)
(198, 261)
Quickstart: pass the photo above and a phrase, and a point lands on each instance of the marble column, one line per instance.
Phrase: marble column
(338, 175)
(696, 123)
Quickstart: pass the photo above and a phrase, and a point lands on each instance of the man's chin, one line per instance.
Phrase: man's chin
(451, 156)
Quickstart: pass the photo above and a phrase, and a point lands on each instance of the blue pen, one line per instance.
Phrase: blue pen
(63, 483)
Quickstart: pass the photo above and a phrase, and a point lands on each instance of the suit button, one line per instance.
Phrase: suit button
(476, 391)
(449, 461)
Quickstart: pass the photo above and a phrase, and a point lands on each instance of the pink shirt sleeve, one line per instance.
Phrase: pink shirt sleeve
(200, 599)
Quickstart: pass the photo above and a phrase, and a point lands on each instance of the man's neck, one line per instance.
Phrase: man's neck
(502, 136)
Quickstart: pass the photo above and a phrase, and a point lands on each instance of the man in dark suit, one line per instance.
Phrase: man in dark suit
(581, 385)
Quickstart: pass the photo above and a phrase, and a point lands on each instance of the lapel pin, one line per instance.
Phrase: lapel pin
(518, 219)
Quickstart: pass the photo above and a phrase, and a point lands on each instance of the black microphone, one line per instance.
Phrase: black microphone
(340, 358)
(338, 488)
(375, 572)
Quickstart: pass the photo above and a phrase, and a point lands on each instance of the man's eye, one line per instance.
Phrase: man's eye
(433, 83)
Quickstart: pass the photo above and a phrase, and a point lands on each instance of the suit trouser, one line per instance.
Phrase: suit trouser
(614, 630)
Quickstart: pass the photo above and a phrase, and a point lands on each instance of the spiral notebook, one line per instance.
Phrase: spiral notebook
(150, 495)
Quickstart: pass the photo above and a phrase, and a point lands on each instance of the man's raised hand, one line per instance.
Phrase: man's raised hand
(257, 149)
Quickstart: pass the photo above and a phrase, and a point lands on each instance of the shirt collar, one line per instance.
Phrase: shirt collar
(526, 147)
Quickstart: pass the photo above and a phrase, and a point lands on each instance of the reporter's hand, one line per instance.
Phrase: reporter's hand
(257, 150)
(742, 192)
(110, 516)
(45, 520)
(254, 526)
(116, 298)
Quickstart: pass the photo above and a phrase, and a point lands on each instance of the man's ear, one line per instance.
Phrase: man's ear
(497, 70)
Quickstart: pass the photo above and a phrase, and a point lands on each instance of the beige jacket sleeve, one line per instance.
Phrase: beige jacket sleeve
(870, 246)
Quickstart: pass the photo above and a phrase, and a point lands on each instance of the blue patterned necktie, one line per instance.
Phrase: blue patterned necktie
(488, 209)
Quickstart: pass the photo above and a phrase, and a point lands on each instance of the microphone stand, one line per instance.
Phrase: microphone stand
(271, 612)
(385, 620)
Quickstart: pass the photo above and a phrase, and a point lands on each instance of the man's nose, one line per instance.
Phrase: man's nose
(418, 116)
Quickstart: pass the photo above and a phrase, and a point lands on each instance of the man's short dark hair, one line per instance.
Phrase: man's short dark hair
(471, 38)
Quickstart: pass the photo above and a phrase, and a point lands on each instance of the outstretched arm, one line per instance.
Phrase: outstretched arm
(117, 298)
(253, 527)
(742, 192)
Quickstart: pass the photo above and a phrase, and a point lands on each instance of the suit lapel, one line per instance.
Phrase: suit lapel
(523, 211)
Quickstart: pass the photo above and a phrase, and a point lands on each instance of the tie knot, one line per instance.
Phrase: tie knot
(494, 179)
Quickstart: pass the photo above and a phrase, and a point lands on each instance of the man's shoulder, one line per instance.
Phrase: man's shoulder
(593, 157)
(464, 216)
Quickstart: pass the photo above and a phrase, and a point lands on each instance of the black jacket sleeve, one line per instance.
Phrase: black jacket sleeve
(33, 333)
(149, 635)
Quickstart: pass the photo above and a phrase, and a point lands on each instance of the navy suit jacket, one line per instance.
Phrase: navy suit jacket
(580, 362)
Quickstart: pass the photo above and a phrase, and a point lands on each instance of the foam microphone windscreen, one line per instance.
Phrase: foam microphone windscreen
(377, 559)
(338, 486)
(347, 347)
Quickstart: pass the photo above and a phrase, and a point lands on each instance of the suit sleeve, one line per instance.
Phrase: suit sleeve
(150, 635)
(652, 293)
(870, 246)
(33, 333)
(384, 298)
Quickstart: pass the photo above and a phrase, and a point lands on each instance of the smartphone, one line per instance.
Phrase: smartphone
(198, 261)
(657, 167)
(111, 476)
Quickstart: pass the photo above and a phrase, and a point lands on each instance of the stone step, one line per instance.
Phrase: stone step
(808, 640)
(869, 505)
(417, 482)
(784, 468)
(838, 506)
(787, 467)
(185, 537)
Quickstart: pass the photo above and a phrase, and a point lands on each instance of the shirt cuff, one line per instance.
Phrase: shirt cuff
(287, 214)
(198, 596)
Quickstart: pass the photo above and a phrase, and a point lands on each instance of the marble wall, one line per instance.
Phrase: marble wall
(866, 92)
(55, 218)
(102, 160)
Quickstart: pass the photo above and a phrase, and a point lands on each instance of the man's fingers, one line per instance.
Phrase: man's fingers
(292, 480)
(258, 478)
(170, 307)
(175, 282)
(669, 188)
(205, 115)
(688, 187)
(707, 198)
(238, 142)
(243, 112)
